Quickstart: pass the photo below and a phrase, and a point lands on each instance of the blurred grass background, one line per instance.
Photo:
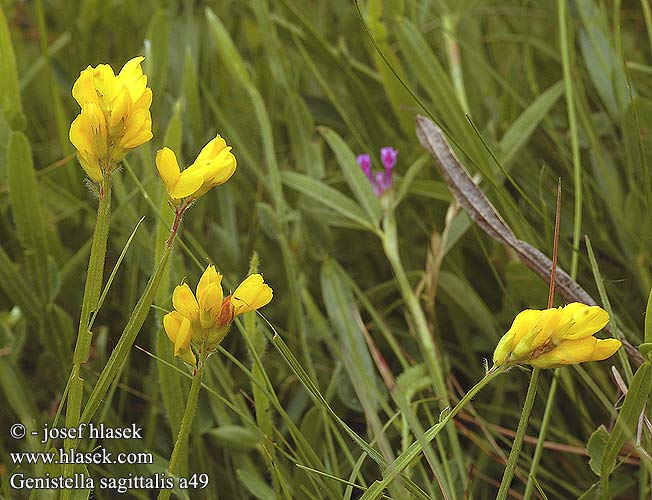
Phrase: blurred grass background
(297, 88)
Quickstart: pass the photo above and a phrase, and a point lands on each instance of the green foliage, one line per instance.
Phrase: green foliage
(325, 399)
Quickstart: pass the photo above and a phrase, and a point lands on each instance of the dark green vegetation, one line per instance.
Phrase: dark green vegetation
(297, 89)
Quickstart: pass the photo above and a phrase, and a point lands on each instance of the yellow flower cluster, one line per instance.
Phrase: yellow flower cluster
(556, 337)
(115, 118)
(114, 115)
(203, 319)
(214, 165)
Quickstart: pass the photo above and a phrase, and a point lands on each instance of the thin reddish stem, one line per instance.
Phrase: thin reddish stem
(178, 216)
(555, 247)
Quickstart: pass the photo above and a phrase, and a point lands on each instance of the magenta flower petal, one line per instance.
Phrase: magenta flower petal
(364, 160)
(388, 156)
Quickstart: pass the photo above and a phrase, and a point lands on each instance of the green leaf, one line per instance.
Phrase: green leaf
(82, 493)
(156, 61)
(174, 131)
(646, 350)
(255, 484)
(355, 177)
(174, 386)
(413, 380)
(589, 494)
(345, 318)
(648, 319)
(410, 176)
(399, 98)
(9, 90)
(61, 333)
(435, 80)
(595, 448)
(602, 61)
(194, 117)
(521, 130)
(234, 65)
(20, 399)
(230, 56)
(28, 214)
(463, 294)
(327, 196)
(301, 125)
(17, 289)
(122, 348)
(236, 437)
(627, 421)
(273, 50)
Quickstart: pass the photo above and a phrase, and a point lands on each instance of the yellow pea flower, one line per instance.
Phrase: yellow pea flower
(250, 295)
(177, 328)
(114, 115)
(214, 165)
(203, 319)
(556, 337)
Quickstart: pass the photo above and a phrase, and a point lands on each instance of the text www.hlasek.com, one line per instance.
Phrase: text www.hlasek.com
(71, 456)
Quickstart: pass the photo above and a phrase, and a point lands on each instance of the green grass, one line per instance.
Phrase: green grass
(383, 310)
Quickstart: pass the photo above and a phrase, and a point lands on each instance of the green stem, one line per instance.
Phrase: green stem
(512, 460)
(94, 274)
(647, 15)
(133, 326)
(572, 124)
(429, 349)
(181, 444)
(126, 340)
(394, 469)
(449, 25)
(92, 289)
(543, 432)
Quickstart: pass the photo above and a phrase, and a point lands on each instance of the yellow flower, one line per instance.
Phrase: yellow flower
(114, 115)
(177, 328)
(214, 165)
(250, 295)
(556, 337)
(203, 319)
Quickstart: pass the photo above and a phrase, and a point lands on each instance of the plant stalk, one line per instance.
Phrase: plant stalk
(92, 289)
(512, 460)
(429, 349)
(181, 444)
(394, 469)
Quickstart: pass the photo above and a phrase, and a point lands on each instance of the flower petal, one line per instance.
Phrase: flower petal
(540, 334)
(171, 324)
(583, 320)
(183, 336)
(209, 277)
(184, 301)
(80, 137)
(131, 76)
(83, 90)
(222, 168)
(523, 324)
(189, 182)
(566, 353)
(251, 294)
(211, 149)
(168, 167)
(604, 349)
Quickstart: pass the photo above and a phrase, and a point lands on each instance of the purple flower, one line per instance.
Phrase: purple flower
(379, 185)
(388, 156)
(381, 181)
(364, 160)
